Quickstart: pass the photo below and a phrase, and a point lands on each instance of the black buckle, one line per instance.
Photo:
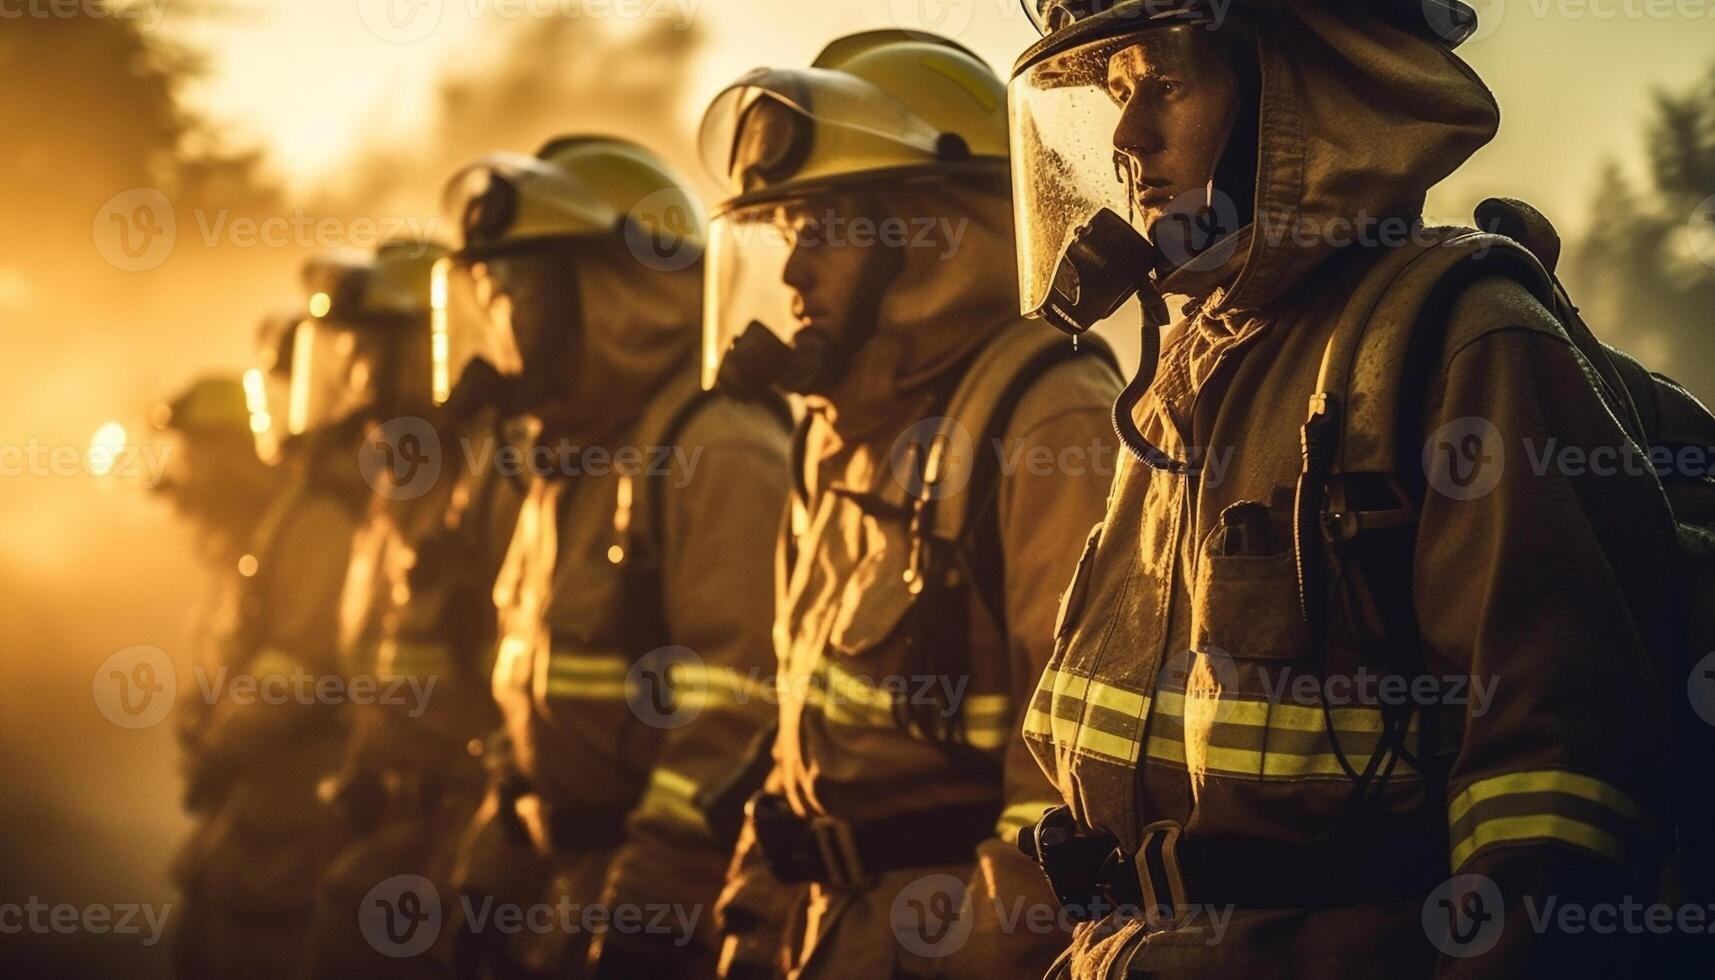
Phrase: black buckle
(838, 848)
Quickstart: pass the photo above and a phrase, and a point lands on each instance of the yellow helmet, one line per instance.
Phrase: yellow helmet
(362, 290)
(365, 343)
(575, 186)
(877, 105)
(211, 405)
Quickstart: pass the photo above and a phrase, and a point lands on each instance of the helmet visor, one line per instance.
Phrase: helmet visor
(330, 378)
(744, 278)
(1089, 124)
(509, 197)
(776, 127)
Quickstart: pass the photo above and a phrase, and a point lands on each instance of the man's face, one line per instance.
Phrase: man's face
(837, 264)
(1177, 101)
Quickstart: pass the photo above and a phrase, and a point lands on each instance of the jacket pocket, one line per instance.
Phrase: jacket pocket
(1077, 591)
(1245, 604)
(874, 601)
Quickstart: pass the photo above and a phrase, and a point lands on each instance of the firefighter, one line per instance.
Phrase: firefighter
(950, 451)
(633, 600)
(269, 733)
(1243, 795)
(417, 620)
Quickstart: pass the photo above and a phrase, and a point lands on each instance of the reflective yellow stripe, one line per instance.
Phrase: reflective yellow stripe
(1543, 781)
(581, 676)
(1541, 827)
(672, 796)
(1068, 690)
(406, 658)
(1279, 729)
(587, 665)
(1020, 815)
(1539, 805)
(582, 690)
(274, 662)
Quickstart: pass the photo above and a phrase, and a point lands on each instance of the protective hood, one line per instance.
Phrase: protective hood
(640, 329)
(956, 288)
(1359, 118)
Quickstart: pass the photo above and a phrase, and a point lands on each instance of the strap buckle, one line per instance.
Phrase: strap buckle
(838, 849)
(1173, 913)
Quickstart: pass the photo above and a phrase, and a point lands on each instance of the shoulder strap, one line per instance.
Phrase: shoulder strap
(979, 411)
(639, 511)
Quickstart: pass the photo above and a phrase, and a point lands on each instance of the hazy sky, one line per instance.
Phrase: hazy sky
(311, 79)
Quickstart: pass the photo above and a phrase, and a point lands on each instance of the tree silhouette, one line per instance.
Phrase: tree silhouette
(1645, 272)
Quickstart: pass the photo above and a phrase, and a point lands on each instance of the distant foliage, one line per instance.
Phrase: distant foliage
(1645, 273)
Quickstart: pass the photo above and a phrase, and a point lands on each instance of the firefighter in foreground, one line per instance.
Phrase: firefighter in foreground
(418, 618)
(950, 453)
(1204, 714)
(634, 600)
(262, 739)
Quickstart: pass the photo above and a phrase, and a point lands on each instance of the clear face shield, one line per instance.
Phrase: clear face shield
(792, 254)
(1116, 142)
(333, 375)
(268, 385)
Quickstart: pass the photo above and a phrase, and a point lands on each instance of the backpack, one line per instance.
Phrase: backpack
(1388, 324)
